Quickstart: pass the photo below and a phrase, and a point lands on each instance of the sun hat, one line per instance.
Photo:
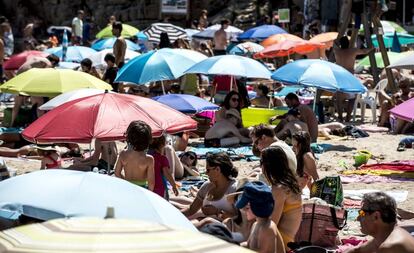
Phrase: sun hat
(260, 197)
(233, 112)
(234, 196)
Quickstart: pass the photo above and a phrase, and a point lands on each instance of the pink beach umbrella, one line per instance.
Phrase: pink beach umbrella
(105, 117)
(404, 111)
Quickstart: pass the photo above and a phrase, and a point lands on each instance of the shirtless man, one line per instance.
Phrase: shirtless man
(120, 45)
(226, 127)
(138, 167)
(345, 57)
(105, 154)
(378, 218)
(294, 125)
(257, 201)
(220, 38)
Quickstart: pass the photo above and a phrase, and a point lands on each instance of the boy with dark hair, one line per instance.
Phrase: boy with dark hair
(138, 167)
(111, 71)
(120, 45)
(258, 203)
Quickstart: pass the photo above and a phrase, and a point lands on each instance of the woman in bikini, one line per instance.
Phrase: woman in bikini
(287, 212)
(50, 158)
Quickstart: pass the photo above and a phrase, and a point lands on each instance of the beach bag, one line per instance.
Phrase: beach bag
(321, 223)
(329, 189)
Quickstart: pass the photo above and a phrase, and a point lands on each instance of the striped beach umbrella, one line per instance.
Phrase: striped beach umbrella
(65, 44)
(153, 32)
(108, 235)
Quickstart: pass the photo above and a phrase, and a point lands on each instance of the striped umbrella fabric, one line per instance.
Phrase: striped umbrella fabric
(65, 43)
(108, 235)
(153, 32)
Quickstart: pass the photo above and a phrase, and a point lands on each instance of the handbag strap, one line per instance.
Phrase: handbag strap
(311, 223)
(335, 219)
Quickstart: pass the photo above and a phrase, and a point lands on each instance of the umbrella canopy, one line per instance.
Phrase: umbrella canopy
(73, 53)
(69, 96)
(191, 32)
(246, 48)
(105, 117)
(51, 82)
(325, 37)
(320, 74)
(388, 27)
(261, 32)
(403, 39)
(233, 65)
(127, 31)
(84, 194)
(404, 110)
(208, 33)
(68, 65)
(186, 103)
(393, 57)
(108, 43)
(288, 47)
(98, 57)
(34, 62)
(109, 235)
(407, 62)
(17, 60)
(159, 65)
(153, 32)
(277, 38)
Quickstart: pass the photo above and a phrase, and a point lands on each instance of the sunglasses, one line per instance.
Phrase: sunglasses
(235, 99)
(363, 213)
(192, 157)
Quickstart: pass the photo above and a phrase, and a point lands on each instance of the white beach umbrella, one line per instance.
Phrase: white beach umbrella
(208, 33)
(98, 57)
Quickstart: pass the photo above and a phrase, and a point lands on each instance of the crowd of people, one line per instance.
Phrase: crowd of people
(262, 211)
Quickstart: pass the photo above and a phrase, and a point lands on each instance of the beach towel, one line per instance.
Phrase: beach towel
(407, 142)
(399, 196)
(369, 179)
(319, 148)
(373, 129)
(355, 132)
(244, 152)
(401, 165)
(379, 172)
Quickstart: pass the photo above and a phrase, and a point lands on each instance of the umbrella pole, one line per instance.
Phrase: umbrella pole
(163, 89)
(314, 100)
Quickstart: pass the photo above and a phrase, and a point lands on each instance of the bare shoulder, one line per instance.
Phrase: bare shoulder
(398, 241)
(308, 156)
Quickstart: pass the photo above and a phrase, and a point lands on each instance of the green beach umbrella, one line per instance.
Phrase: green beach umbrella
(388, 27)
(393, 57)
(127, 31)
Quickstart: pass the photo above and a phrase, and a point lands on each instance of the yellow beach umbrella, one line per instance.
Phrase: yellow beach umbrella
(49, 82)
(127, 31)
(108, 235)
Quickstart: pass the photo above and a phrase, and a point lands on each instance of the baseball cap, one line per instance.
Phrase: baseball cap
(260, 197)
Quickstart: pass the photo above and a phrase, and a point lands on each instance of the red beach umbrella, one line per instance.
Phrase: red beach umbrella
(105, 117)
(287, 47)
(18, 60)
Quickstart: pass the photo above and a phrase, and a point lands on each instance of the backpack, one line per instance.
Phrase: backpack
(328, 189)
(321, 223)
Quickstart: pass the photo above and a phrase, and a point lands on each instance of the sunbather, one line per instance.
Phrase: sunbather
(293, 125)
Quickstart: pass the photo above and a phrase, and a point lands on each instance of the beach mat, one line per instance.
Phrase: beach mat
(369, 179)
(379, 172)
(402, 165)
(243, 152)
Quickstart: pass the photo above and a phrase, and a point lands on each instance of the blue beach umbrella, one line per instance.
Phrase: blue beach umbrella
(65, 43)
(319, 74)
(73, 53)
(109, 43)
(232, 65)
(51, 194)
(186, 103)
(247, 48)
(261, 32)
(159, 65)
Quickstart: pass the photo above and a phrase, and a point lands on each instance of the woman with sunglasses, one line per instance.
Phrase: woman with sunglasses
(231, 101)
(287, 212)
(306, 163)
(211, 198)
(189, 163)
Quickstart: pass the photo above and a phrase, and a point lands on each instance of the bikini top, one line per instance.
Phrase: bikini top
(56, 163)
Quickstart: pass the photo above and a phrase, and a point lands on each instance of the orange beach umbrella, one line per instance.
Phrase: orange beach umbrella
(277, 38)
(288, 47)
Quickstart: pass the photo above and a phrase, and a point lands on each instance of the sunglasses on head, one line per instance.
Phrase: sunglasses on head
(235, 99)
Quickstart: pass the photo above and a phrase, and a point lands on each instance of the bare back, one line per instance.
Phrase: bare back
(220, 40)
(119, 50)
(268, 233)
(109, 152)
(346, 57)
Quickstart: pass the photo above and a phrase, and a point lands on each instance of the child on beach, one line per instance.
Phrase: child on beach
(138, 167)
(257, 201)
(161, 168)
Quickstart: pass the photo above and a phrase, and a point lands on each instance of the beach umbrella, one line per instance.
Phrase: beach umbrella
(209, 32)
(52, 29)
(69, 96)
(98, 57)
(34, 62)
(105, 117)
(51, 82)
(68, 65)
(233, 65)
(18, 60)
(325, 38)
(393, 57)
(261, 32)
(59, 193)
(159, 65)
(65, 44)
(388, 27)
(396, 46)
(153, 32)
(277, 38)
(407, 62)
(404, 110)
(319, 74)
(109, 235)
(108, 43)
(246, 48)
(403, 39)
(288, 47)
(186, 103)
(141, 36)
(191, 32)
(73, 53)
(127, 31)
